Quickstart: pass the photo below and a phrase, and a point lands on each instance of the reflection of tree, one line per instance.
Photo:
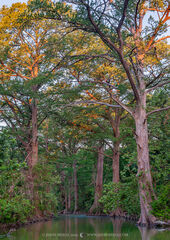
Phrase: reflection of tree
(97, 229)
(38, 228)
(76, 228)
(67, 225)
(117, 226)
(147, 233)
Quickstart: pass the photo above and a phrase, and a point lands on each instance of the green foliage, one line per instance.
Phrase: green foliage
(121, 195)
(86, 162)
(14, 204)
(15, 209)
(161, 206)
(111, 198)
(46, 184)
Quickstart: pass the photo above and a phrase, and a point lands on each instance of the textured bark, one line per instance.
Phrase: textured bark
(115, 163)
(99, 181)
(116, 175)
(34, 133)
(69, 199)
(32, 159)
(66, 203)
(35, 153)
(115, 123)
(32, 148)
(29, 174)
(146, 191)
(46, 138)
(62, 189)
(75, 186)
(69, 193)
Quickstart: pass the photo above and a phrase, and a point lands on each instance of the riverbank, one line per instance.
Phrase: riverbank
(134, 219)
(89, 227)
(6, 227)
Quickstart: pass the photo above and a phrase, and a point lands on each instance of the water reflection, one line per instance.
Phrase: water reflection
(89, 228)
(146, 233)
(117, 227)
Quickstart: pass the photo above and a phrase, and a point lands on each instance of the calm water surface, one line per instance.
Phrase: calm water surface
(83, 227)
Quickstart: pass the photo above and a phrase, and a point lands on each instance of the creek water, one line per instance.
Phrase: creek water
(76, 227)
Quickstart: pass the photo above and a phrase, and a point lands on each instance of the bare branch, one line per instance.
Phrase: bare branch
(109, 145)
(121, 23)
(136, 12)
(161, 74)
(157, 86)
(123, 15)
(99, 32)
(158, 110)
(112, 46)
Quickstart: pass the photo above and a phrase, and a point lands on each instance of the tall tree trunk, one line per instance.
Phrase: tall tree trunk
(62, 189)
(29, 176)
(116, 175)
(146, 191)
(34, 144)
(34, 133)
(67, 194)
(66, 203)
(115, 123)
(69, 199)
(115, 162)
(75, 186)
(99, 181)
(32, 158)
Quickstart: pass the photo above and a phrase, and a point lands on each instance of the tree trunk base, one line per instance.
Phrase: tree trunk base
(117, 213)
(76, 212)
(96, 209)
(149, 221)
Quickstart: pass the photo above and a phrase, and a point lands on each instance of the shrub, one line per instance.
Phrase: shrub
(15, 209)
(161, 206)
(121, 195)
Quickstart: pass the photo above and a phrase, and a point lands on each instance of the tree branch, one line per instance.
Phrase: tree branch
(96, 102)
(99, 32)
(120, 103)
(158, 110)
(121, 23)
(157, 86)
(136, 12)
(113, 46)
(163, 38)
(10, 69)
(163, 19)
